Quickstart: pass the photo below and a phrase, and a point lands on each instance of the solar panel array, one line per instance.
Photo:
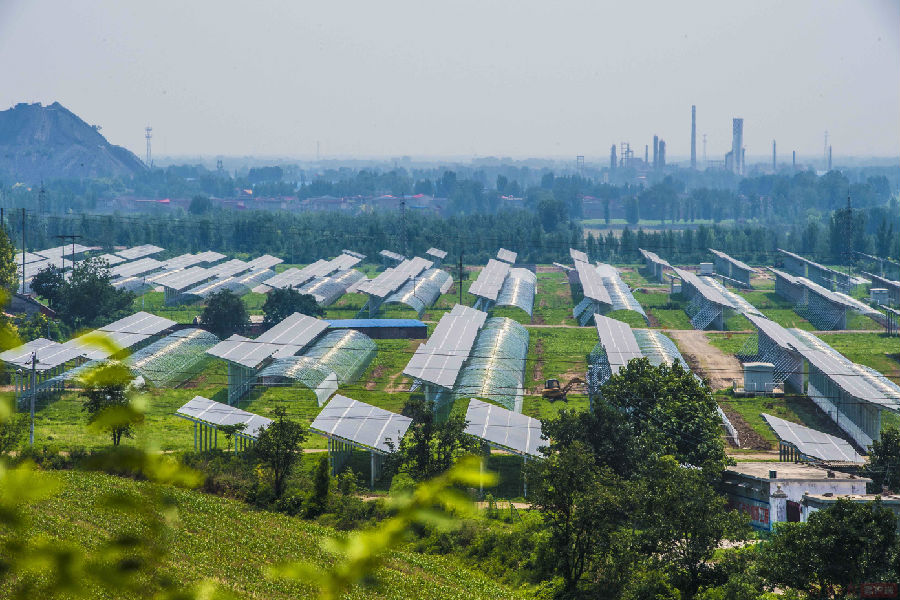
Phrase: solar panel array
(490, 280)
(620, 295)
(361, 424)
(399, 258)
(702, 288)
(124, 333)
(504, 428)
(62, 251)
(423, 291)
(439, 360)
(174, 358)
(845, 374)
(813, 443)
(327, 290)
(390, 280)
(183, 279)
(111, 259)
(739, 302)
(578, 255)
(496, 366)
(733, 261)
(284, 339)
(135, 268)
(139, 251)
(618, 341)
(437, 253)
(215, 413)
(507, 256)
(592, 283)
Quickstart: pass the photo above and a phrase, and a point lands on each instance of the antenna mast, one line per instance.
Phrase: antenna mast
(148, 133)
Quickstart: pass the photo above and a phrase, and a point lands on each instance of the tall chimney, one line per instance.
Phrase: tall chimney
(794, 160)
(646, 154)
(693, 136)
(829, 158)
(612, 158)
(774, 162)
(737, 145)
(662, 154)
(655, 151)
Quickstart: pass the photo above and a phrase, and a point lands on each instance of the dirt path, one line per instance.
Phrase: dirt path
(707, 360)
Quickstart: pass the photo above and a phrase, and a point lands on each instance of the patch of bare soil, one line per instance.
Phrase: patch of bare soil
(394, 386)
(748, 436)
(651, 318)
(708, 361)
(538, 320)
(377, 372)
(547, 269)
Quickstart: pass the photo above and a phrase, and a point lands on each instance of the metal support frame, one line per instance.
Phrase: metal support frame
(339, 452)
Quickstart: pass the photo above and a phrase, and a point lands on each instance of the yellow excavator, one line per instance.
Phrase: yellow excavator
(553, 391)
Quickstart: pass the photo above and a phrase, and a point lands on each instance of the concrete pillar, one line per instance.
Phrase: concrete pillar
(777, 507)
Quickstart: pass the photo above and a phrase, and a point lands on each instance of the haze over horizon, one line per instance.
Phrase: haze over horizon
(514, 79)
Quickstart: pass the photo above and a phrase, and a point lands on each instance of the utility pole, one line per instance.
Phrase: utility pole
(403, 224)
(23, 251)
(73, 238)
(31, 431)
(460, 277)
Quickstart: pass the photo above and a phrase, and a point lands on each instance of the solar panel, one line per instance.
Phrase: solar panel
(813, 443)
(490, 280)
(437, 253)
(390, 280)
(592, 283)
(180, 262)
(30, 257)
(739, 302)
(361, 424)
(62, 251)
(618, 340)
(883, 281)
(735, 262)
(507, 256)
(111, 259)
(439, 360)
(229, 268)
(265, 261)
(775, 332)
(358, 255)
(137, 267)
(709, 293)
(578, 255)
(654, 258)
(139, 251)
(392, 255)
(209, 256)
(504, 428)
(184, 279)
(21, 355)
(215, 413)
(124, 333)
(284, 339)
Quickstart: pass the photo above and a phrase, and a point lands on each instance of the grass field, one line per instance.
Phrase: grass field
(798, 409)
(231, 544)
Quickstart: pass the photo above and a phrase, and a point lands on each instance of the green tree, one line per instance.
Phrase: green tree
(49, 283)
(278, 446)
(9, 278)
(107, 399)
(847, 544)
(430, 448)
(200, 205)
(670, 409)
(88, 298)
(229, 431)
(283, 302)
(12, 432)
(632, 210)
(884, 461)
(318, 497)
(224, 314)
(582, 505)
(671, 534)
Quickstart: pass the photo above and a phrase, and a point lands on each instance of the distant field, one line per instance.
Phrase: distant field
(231, 544)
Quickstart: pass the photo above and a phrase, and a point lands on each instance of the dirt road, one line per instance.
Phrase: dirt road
(707, 360)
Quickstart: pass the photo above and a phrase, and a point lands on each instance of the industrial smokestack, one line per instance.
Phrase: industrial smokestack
(662, 154)
(829, 158)
(612, 158)
(646, 154)
(794, 160)
(737, 145)
(693, 136)
(774, 162)
(655, 151)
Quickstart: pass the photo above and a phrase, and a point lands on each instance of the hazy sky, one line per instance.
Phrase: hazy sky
(422, 78)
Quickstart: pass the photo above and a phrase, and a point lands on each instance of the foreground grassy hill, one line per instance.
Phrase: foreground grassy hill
(231, 544)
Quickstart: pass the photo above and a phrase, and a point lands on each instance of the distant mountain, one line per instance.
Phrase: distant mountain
(49, 142)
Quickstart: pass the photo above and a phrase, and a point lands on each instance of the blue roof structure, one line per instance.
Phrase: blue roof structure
(345, 323)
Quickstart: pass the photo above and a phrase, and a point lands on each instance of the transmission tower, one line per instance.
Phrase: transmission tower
(148, 133)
